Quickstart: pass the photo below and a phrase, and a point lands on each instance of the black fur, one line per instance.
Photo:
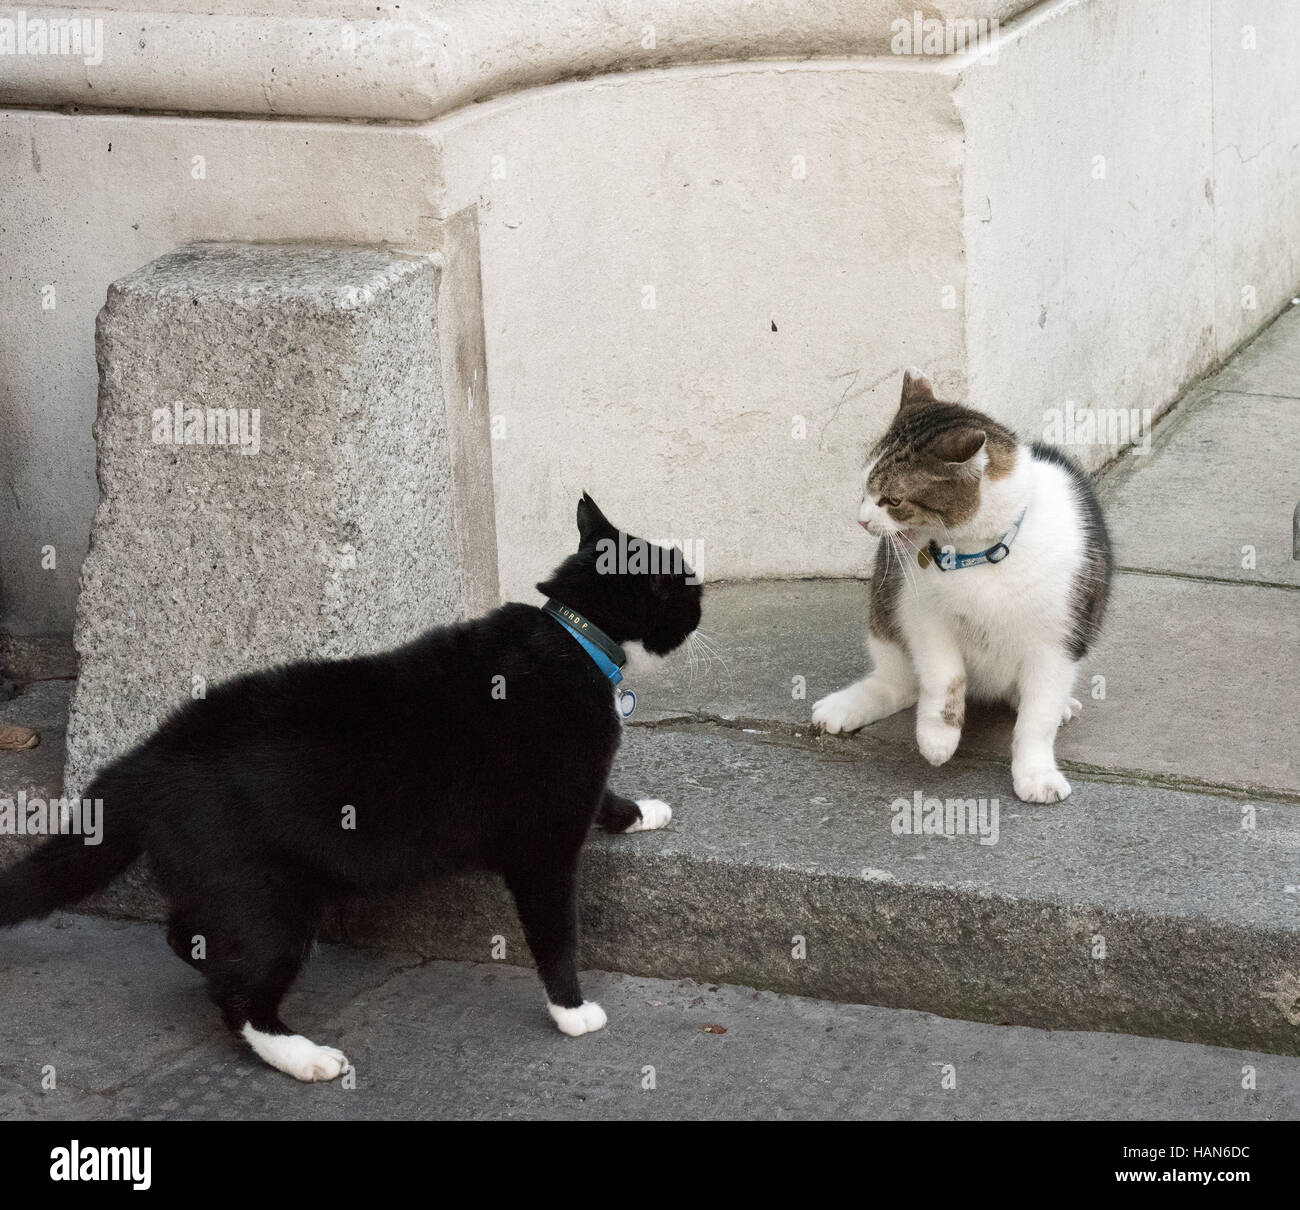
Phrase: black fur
(239, 800)
(1091, 589)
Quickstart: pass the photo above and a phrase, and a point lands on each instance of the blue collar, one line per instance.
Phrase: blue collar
(608, 655)
(947, 559)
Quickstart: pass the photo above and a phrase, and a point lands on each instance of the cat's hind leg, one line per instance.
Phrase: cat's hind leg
(890, 687)
(619, 814)
(254, 950)
(545, 888)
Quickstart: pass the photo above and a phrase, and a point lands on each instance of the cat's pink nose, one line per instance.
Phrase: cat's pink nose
(865, 525)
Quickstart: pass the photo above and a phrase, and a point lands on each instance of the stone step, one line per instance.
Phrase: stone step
(1128, 908)
(433, 1040)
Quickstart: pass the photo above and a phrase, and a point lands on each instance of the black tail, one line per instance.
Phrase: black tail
(62, 871)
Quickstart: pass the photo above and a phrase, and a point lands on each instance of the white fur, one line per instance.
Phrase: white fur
(640, 662)
(1002, 627)
(655, 813)
(298, 1056)
(585, 1019)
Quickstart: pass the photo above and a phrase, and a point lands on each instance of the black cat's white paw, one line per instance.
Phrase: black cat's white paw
(585, 1019)
(655, 814)
(296, 1055)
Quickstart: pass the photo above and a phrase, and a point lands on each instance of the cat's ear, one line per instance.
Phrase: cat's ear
(591, 522)
(962, 449)
(916, 389)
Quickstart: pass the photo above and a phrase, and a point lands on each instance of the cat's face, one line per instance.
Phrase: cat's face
(925, 477)
(632, 589)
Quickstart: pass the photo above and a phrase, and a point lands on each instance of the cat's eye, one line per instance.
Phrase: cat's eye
(890, 501)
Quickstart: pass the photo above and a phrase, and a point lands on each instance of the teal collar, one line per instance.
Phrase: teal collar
(947, 559)
(608, 655)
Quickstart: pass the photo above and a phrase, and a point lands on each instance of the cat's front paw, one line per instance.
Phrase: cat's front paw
(1040, 784)
(585, 1019)
(842, 711)
(655, 813)
(937, 740)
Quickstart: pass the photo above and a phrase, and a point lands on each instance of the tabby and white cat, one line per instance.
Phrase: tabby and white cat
(990, 582)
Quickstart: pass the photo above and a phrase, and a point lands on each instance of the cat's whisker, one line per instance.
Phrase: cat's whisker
(693, 663)
(713, 654)
(908, 575)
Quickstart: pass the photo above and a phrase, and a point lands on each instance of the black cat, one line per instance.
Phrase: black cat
(483, 745)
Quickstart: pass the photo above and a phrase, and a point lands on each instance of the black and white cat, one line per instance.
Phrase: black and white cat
(483, 745)
(990, 582)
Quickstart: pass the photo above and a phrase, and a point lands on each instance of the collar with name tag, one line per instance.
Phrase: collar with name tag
(607, 654)
(947, 559)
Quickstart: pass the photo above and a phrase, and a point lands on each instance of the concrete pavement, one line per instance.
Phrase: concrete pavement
(125, 1031)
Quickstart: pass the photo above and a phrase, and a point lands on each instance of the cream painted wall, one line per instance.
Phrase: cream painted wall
(921, 177)
(821, 200)
(87, 199)
(1089, 219)
(1255, 74)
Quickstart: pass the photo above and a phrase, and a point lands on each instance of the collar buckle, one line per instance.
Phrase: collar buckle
(997, 552)
(947, 559)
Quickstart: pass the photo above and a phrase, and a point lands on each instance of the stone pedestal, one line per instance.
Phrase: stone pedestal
(276, 474)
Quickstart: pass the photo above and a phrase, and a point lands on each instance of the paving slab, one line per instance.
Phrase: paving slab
(457, 1040)
(1217, 494)
(1270, 364)
(42, 705)
(81, 1002)
(1201, 680)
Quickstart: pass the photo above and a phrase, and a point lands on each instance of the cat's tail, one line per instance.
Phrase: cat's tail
(66, 869)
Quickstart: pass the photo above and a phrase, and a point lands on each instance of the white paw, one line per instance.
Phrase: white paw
(585, 1019)
(298, 1056)
(844, 710)
(936, 739)
(1071, 711)
(1040, 785)
(655, 813)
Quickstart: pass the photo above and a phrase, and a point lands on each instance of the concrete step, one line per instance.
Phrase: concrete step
(1129, 908)
(432, 1039)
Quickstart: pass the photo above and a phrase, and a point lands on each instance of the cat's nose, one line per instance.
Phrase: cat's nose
(865, 525)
